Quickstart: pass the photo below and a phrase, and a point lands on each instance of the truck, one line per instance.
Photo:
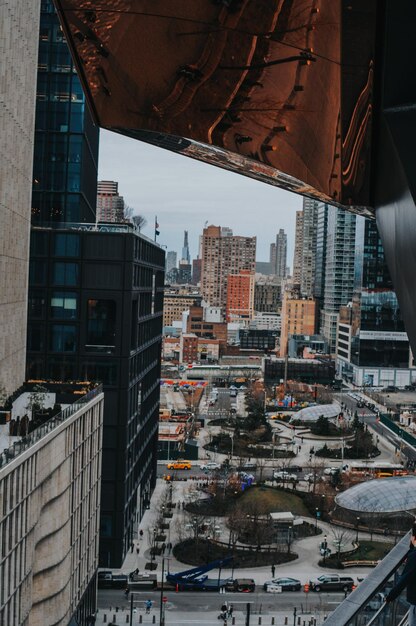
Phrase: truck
(332, 582)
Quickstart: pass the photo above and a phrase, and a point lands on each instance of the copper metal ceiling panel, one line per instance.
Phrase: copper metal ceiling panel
(280, 90)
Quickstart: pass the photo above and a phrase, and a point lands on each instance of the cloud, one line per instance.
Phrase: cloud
(184, 194)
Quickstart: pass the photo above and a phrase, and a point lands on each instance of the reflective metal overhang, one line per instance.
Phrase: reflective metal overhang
(279, 90)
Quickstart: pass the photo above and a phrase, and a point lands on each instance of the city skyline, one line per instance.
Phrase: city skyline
(158, 182)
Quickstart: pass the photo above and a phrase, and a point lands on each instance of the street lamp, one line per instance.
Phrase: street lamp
(356, 535)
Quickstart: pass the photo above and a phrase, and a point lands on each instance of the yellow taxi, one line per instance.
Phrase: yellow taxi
(178, 465)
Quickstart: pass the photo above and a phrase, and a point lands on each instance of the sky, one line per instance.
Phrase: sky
(184, 194)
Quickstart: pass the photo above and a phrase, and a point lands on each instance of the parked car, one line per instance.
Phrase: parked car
(178, 465)
(243, 585)
(292, 468)
(105, 579)
(330, 471)
(248, 465)
(332, 582)
(310, 478)
(210, 466)
(284, 476)
(287, 584)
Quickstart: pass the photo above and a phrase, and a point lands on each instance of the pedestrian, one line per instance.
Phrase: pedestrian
(273, 570)
(141, 534)
(148, 605)
(163, 547)
(137, 550)
(408, 580)
(224, 608)
(230, 610)
(127, 591)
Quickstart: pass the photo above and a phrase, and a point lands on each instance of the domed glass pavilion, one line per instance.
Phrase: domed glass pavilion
(381, 495)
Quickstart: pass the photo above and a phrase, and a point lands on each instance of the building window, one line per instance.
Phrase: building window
(63, 338)
(35, 341)
(66, 245)
(65, 274)
(101, 371)
(37, 272)
(36, 307)
(62, 368)
(101, 325)
(64, 305)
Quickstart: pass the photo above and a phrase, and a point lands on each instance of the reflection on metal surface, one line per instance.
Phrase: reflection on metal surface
(280, 90)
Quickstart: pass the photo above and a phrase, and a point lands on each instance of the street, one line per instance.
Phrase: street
(196, 602)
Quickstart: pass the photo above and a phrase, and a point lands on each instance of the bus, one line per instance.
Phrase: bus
(376, 469)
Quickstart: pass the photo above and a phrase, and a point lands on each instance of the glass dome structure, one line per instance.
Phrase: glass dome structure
(381, 495)
(312, 413)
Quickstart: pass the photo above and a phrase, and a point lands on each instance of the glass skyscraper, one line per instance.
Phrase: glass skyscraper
(66, 140)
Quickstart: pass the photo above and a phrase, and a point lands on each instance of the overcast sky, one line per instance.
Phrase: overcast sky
(184, 194)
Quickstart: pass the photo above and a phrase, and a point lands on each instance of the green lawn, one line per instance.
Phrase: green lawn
(372, 550)
(274, 501)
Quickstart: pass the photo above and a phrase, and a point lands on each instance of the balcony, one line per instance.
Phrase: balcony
(365, 606)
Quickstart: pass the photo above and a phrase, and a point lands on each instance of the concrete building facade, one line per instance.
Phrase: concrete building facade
(110, 205)
(281, 253)
(297, 255)
(19, 21)
(267, 293)
(308, 263)
(174, 305)
(240, 297)
(298, 318)
(221, 256)
(50, 518)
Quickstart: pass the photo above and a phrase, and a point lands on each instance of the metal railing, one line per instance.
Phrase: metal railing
(358, 608)
(18, 447)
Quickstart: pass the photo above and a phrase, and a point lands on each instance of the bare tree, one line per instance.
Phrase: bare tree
(138, 220)
(342, 536)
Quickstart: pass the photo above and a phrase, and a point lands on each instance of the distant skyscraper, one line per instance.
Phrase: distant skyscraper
(185, 272)
(281, 253)
(222, 256)
(297, 256)
(19, 21)
(196, 271)
(185, 250)
(320, 255)
(272, 258)
(309, 223)
(110, 205)
(171, 260)
(339, 269)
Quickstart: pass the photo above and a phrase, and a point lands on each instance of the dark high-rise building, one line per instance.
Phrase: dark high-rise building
(95, 313)
(196, 270)
(95, 297)
(66, 140)
(373, 347)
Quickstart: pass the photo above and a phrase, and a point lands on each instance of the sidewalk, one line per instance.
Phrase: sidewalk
(313, 617)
